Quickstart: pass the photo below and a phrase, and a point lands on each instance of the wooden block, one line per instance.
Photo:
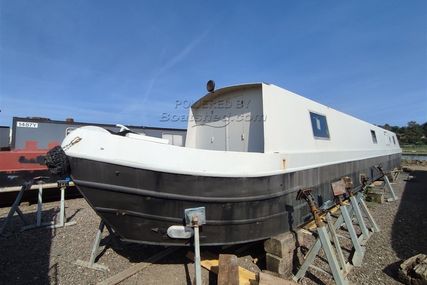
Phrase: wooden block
(376, 197)
(279, 265)
(211, 263)
(414, 270)
(282, 245)
(246, 277)
(228, 270)
(268, 279)
(312, 225)
(338, 187)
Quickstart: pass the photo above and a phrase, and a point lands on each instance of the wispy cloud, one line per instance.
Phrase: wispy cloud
(184, 52)
(181, 55)
(140, 104)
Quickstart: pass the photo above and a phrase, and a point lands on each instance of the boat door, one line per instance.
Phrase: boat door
(238, 126)
(211, 128)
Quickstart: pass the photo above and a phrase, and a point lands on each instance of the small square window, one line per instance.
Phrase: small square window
(374, 136)
(319, 126)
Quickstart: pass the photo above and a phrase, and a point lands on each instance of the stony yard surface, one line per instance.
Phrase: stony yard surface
(403, 231)
(47, 256)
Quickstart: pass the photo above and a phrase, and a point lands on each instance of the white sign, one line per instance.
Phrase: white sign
(27, 125)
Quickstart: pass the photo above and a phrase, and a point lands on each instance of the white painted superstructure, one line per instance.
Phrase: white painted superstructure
(248, 130)
(282, 120)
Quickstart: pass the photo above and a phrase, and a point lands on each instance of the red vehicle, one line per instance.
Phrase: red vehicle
(19, 165)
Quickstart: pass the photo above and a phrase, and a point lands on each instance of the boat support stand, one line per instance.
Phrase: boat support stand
(387, 185)
(337, 265)
(346, 218)
(62, 184)
(358, 208)
(195, 218)
(97, 249)
(359, 249)
(354, 208)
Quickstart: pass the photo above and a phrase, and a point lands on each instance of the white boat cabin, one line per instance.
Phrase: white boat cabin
(265, 118)
(250, 130)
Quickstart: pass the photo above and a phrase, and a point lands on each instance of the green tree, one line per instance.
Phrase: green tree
(395, 129)
(424, 126)
(413, 133)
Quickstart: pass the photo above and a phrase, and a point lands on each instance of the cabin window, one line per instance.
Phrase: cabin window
(374, 136)
(394, 140)
(319, 126)
(387, 139)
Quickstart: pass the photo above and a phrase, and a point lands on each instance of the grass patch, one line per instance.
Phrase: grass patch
(414, 149)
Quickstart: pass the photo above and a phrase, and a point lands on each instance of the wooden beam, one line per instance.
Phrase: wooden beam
(228, 270)
(311, 225)
(211, 263)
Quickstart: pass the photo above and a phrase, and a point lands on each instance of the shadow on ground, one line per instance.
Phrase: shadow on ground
(137, 253)
(29, 264)
(409, 230)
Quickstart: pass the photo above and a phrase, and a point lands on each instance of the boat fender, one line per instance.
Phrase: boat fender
(180, 232)
(57, 162)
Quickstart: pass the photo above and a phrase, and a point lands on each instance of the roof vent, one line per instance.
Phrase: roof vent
(210, 86)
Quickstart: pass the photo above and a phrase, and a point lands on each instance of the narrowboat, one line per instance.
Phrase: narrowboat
(249, 148)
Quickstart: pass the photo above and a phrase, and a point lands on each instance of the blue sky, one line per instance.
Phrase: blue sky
(130, 61)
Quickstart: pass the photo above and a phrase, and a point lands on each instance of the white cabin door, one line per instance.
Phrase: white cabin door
(236, 134)
(211, 130)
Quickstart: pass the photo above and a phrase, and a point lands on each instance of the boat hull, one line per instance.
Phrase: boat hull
(141, 204)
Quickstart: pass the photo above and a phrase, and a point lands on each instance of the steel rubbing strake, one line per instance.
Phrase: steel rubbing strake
(170, 196)
(178, 220)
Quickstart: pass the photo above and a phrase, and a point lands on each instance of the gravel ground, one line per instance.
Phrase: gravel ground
(403, 231)
(403, 234)
(47, 256)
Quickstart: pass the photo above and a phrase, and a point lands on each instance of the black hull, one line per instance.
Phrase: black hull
(140, 204)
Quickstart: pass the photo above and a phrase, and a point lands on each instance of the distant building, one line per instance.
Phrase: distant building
(43, 133)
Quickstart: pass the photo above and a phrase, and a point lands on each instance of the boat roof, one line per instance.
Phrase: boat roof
(219, 92)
